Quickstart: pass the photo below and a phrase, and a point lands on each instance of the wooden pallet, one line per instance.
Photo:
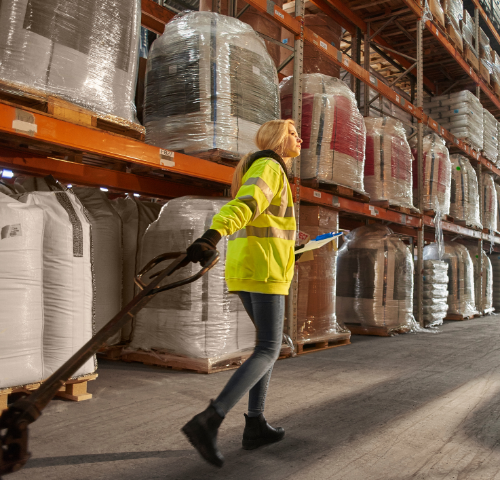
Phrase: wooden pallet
(199, 365)
(358, 329)
(111, 352)
(458, 318)
(471, 58)
(463, 223)
(389, 206)
(446, 218)
(338, 190)
(323, 344)
(75, 390)
(218, 156)
(20, 95)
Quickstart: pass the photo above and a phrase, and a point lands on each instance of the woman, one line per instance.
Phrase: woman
(259, 268)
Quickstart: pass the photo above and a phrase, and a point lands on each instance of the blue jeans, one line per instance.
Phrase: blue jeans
(267, 313)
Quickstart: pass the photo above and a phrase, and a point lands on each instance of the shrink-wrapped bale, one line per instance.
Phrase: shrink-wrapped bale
(490, 136)
(332, 130)
(68, 294)
(108, 253)
(388, 162)
(437, 174)
(486, 280)
(461, 114)
(21, 293)
(435, 295)
(489, 202)
(495, 267)
(82, 51)
(461, 298)
(136, 217)
(464, 198)
(316, 317)
(210, 85)
(376, 287)
(199, 320)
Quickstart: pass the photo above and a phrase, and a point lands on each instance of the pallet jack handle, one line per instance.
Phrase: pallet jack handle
(15, 420)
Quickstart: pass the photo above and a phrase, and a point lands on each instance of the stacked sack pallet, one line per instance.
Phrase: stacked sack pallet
(461, 298)
(317, 274)
(464, 198)
(388, 162)
(483, 282)
(199, 321)
(191, 109)
(461, 113)
(332, 130)
(375, 296)
(495, 266)
(85, 54)
(453, 12)
(490, 136)
(437, 174)
(489, 203)
(435, 287)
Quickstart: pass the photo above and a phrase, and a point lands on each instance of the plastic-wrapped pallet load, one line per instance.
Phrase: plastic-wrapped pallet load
(21, 293)
(68, 293)
(210, 85)
(490, 136)
(376, 287)
(467, 24)
(489, 206)
(136, 217)
(437, 174)
(333, 131)
(83, 51)
(464, 198)
(497, 188)
(461, 299)
(487, 280)
(316, 316)
(461, 114)
(495, 266)
(435, 287)
(453, 10)
(107, 250)
(388, 162)
(199, 320)
(486, 63)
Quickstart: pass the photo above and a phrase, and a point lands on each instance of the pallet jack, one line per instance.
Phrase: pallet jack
(15, 420)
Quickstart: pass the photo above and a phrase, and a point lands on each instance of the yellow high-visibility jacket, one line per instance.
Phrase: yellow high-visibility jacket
(261, 226)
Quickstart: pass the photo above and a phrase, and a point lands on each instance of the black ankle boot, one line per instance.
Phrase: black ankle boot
(258, 432)
(201, 431)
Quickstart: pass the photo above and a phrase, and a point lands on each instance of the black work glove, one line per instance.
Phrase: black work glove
(201, 249)
(298, 255)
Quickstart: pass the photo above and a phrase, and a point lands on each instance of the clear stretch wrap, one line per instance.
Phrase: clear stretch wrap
(461, 299)
(433, 11)
(136, 217)
(210, 84)
(495, 266)
(490, 136)
(435, 289)
(498, 136)
(461, 113)
(454, 14)
(487, 280)
(333, 131)
(108, 253)
(199, 320)
(316, 308)
(489, 206)
(388, 162)
(21, 293)
(83, 51)
(437, 174)
(468, 28)
(464, 198)
(484, 45)
(495, 58)
(497, 188)
(375, 269)
(68, 283)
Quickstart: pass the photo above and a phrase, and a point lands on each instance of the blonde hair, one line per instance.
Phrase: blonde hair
(271, 136)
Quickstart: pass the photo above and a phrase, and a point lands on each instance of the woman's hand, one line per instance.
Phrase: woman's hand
(201, 249)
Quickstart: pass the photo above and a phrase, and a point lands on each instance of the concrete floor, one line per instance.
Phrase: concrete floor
(414, 406)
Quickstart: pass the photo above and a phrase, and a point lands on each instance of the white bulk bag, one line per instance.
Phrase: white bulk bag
(67, 279)
(332, 130)
(388, 162)
(487, 280)
(376, 289)
(489, 205)
(21, 293)
(495, 266)
(199, 320)
(210, 84)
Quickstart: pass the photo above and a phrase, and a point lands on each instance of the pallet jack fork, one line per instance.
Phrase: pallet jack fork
(15, 420)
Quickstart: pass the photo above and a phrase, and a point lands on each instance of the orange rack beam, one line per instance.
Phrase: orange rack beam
(154, 17)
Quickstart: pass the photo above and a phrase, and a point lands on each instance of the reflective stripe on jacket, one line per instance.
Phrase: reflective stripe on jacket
(261, 226)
